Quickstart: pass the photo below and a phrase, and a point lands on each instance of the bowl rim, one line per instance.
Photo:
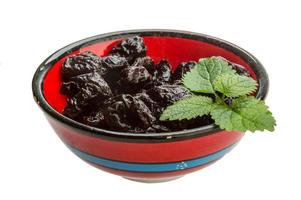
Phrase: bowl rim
(46, 65)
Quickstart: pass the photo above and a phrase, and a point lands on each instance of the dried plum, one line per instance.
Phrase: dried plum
(142, 113)
(167, 94)
(162, 74)
(128, 112)
(154, 107)
(73, 86)
(135, 78)
(116, 116)
(96, 119)
(146, 62)
(89, 97)
(77, 106)
(70, 88)
(114, 62)
(80, 64)
(131, 48)
(114, 65)
(182, 68)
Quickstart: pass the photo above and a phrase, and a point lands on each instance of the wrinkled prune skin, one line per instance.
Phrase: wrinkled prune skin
(96, 119)
(80, 64)
(89, 96)
(238, 68)
(114, 62)
(127, 112)
(70, 88)
(154, 107)
(182, 69)
(113, 65)
(167, 94)
(131, 48)
(135, 78)
(116, 116)
(142, 113)
(146, 62)
(73, 86)
(162, 73)
(77, 106)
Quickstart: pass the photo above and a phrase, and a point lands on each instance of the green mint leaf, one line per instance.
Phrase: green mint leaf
(187, 108)
(234, 85)
(245, 113)
(202, 76)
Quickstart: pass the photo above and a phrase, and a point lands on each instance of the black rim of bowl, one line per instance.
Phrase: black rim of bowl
(37, 84)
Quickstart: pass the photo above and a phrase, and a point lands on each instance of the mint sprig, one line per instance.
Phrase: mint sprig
(214, 76)
(245, 113)
(233, 85)
(201, 77)
(188, 108)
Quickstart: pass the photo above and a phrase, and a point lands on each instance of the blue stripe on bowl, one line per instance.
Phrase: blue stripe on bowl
(161, 167)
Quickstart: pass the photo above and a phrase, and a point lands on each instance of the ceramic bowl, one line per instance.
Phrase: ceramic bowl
(150, 157)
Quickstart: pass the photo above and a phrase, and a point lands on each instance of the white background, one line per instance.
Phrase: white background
(34, 164)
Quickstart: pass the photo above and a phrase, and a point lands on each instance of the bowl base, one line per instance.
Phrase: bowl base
(153, 180)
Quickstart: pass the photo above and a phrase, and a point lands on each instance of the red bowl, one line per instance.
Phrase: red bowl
(151, 156)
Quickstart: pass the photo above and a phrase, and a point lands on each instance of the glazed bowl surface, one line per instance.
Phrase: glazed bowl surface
(149, 156)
